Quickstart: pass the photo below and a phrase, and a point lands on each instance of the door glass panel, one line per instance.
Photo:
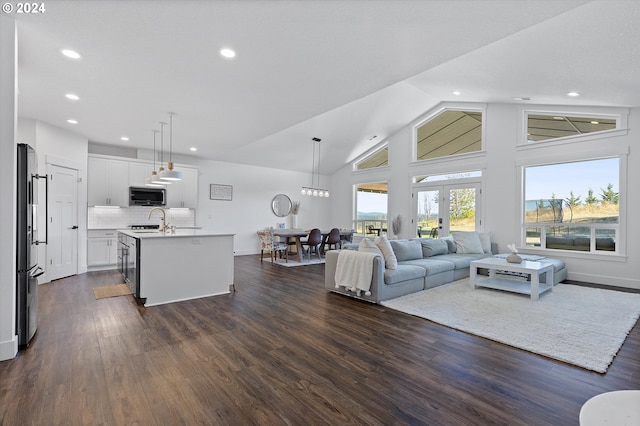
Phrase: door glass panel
(462, 209)
(428, 213)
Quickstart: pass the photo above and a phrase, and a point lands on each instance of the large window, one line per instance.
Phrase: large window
(449, 133)
(371, 208)
(573, 206)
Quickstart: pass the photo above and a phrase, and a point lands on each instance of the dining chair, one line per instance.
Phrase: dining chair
(312, 242)
(268, 243)
(333, 239)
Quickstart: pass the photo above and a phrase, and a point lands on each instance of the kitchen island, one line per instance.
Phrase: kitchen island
(188, 264)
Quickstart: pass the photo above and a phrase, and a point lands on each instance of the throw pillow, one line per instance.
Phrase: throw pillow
(451, 243)
(434, 247)
(485, 240)
(467, 242)
(390, 260)
(368, 246)
(406, 250)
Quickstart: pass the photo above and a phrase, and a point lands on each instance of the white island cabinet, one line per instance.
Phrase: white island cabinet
(189, 264)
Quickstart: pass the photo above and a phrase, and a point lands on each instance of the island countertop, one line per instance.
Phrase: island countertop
(144, 234)
(189, 264)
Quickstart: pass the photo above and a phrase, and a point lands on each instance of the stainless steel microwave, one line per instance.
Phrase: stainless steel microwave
(144, 196)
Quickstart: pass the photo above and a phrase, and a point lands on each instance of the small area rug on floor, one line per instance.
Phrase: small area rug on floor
(111, 291)
(579, 325)
(294, 262)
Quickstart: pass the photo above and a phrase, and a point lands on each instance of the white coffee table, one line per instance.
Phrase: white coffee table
(612, 408)
(533, 287)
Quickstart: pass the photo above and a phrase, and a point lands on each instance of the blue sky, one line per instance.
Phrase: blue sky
(561, 179)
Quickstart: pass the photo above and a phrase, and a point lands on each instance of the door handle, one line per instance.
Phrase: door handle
(74, 227)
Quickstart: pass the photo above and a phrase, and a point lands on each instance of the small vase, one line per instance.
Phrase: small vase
(294, 221)
(514, 258)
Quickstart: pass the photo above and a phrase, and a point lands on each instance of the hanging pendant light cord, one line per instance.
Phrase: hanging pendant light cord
(171, 114)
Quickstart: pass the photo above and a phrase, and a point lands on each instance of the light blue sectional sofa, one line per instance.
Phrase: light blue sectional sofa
(422, 263)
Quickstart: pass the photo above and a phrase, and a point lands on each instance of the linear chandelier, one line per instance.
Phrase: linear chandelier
(313, 190)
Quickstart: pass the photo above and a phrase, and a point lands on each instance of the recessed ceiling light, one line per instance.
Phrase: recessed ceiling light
(72, 121)
(72, 97)
(71, 54)
(521, 98)
(595, 122)
(573, 94)
(124, 138)
(228, 53)
(193, 148)
(456, 92)
(558, 118)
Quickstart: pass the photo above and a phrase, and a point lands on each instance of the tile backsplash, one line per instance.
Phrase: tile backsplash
(110, 218)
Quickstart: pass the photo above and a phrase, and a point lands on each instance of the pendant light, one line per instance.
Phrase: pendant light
(150, 181)
(156, 178)
(170, 175)
(315, 170)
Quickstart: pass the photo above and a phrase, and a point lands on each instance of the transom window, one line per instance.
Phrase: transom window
(544, 127)
(379, 158)
(451, 132)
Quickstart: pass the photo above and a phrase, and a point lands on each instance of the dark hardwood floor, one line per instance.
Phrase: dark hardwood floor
(280, 350)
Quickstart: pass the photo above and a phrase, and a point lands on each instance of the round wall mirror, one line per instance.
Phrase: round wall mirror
(281, 205)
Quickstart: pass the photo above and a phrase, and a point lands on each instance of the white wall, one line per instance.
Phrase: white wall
(500, 191)
(8, 117)
(250, 209)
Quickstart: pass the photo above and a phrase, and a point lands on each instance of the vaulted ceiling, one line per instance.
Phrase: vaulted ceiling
(342, 71)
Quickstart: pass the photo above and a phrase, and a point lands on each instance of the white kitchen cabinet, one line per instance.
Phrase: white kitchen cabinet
(102, 247)
(184, 193)
(107, 182)
(139, 172)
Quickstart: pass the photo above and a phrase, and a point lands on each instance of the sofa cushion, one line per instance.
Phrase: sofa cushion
(406, 249)
(451, 243)
(431, 247)
(431, 265)
(390, 260)
(461, 261)
(485, 241)
(467, 242)
(403, 273)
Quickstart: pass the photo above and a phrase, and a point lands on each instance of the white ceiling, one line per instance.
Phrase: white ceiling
(342, 71)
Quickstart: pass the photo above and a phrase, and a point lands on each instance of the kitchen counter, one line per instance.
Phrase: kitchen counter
(189, 264)
(180, 232)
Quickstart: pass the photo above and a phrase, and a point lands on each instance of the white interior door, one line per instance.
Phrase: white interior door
(62, 247)
(441, 209)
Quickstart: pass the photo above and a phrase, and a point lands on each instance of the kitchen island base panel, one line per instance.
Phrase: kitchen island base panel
(178, 269)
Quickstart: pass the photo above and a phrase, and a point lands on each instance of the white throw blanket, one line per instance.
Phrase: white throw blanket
(354, 270)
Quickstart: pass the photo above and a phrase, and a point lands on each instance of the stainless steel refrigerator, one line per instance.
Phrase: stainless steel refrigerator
(28, 269)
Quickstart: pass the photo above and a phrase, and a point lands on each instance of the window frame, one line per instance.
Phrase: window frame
(619, 114)
(373, 151)
(354, 214)
(620, 227)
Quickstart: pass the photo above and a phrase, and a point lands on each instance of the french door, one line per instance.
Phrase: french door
(443, 208)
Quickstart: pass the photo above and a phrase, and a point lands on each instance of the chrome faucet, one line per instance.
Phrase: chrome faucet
(163, 228)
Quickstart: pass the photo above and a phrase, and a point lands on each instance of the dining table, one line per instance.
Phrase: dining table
(294, 236)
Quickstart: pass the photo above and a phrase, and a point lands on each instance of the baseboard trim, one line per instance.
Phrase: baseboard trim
(604, 280)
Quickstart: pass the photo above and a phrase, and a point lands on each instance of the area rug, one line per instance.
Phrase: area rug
(111, 291)
(578, 325)
(293, 262)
